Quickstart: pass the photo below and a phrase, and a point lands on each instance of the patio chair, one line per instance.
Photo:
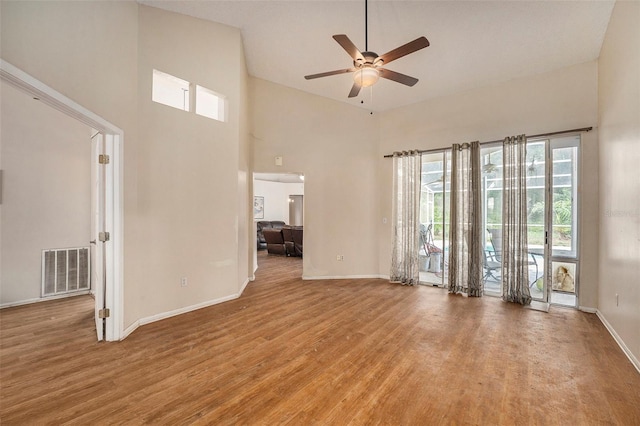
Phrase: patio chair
(496, 243)
(432, 252)
(492, 264)
(426, 240)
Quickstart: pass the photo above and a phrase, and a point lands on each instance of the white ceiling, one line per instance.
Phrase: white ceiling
(473, 43)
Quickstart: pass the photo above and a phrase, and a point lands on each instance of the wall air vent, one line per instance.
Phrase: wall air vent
(65, 271)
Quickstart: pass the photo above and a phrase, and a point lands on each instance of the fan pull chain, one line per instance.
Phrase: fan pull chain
(371, 98)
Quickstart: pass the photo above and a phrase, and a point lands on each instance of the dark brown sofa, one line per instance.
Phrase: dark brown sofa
(292, 236)
(266, 224)
(285, 241)
(274, 240)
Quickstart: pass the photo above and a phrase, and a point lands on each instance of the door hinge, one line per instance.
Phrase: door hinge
(103, 159)
(104, 313)
(104, 236)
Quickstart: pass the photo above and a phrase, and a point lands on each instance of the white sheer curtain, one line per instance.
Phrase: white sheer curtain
(405, 219)
(465, 231)
(515, 261)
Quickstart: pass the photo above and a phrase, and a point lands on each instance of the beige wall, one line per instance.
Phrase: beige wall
(335, 146)
(188, 184)
(46, 162)
(619, 213)
(558, 100)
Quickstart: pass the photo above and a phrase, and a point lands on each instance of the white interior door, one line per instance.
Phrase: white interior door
(97, 225)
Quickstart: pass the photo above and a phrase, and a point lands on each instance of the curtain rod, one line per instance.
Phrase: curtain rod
(562, 132)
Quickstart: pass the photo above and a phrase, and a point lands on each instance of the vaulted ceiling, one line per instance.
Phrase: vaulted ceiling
(473, 43)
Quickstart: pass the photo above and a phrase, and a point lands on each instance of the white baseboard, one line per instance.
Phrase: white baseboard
(587, 309)
(184, 310)
(42, 299)
(244, 285)
(173, 313)
(127, 331)
(619, 340)
(343, 277)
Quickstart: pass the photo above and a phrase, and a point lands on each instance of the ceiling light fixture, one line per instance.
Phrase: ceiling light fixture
(489, 167)
(532, 167)
(367, 66)
(366, 76)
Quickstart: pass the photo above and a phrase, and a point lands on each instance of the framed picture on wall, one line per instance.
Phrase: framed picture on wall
(258, 207)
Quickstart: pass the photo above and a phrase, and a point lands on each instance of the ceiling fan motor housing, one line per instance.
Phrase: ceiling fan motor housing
(370, 59)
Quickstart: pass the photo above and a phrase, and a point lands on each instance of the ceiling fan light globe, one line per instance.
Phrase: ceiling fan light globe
(489, 168)
(366, 76)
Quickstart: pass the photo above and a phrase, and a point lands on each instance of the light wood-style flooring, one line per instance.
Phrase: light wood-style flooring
(328, 352)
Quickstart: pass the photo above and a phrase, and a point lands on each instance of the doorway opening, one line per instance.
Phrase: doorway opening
(278, 215)
(108, 310)
(44, 224)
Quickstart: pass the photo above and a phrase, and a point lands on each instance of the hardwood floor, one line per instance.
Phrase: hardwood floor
(318, 352)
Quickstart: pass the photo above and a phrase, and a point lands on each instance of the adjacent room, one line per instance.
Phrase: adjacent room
(278, 208)
(327, 212)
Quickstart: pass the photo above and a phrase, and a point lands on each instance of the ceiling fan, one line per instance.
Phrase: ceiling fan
(367, 66)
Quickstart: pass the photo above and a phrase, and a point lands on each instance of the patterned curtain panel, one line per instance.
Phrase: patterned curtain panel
(405, 219)
(465, 231)
(515, 262)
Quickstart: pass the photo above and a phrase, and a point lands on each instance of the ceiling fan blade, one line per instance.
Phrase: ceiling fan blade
(412, 46)
(396, 76)
(355, 89)
(327, 74)
(348, 45)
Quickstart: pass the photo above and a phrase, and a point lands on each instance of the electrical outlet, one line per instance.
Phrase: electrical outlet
(183, 282)
(339, 258)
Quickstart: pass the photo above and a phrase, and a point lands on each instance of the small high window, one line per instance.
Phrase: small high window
(211, 104)
(170, 90)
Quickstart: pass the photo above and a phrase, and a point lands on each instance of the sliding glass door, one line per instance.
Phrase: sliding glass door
(434, 218)
(563, 218)
(552, 216)
(491, 158)
(537, 207)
